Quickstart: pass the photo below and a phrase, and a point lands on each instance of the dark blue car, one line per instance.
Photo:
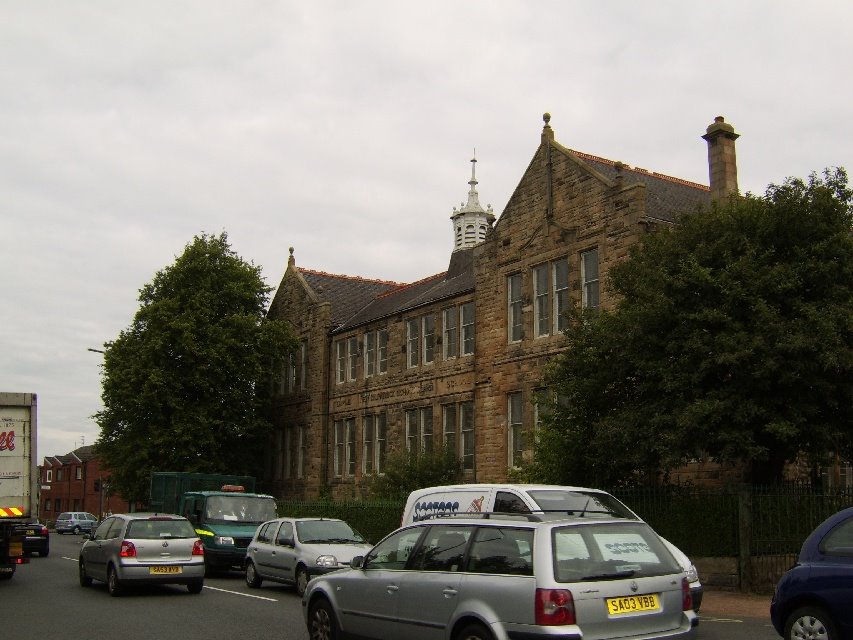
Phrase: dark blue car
(814, 599)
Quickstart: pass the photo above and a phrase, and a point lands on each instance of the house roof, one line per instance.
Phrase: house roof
(667, 197)
(346, 294)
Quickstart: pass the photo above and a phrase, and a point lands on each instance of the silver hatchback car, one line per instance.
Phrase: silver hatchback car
(292, 550)
(143, 548)
(501, 577)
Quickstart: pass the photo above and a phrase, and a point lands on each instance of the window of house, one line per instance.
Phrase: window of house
(368, 436)
(560, 283)
(338, 460)
(382, 348)
(303, 364)
(278, 455)
(341, 359)
(449, 426)
(352, 355)
(515, 429)
(413, 342)
(350, 446)
(290, 374)
(300, 451)
(514, 303)
(466, 311)
(49, 475)
(448, 323)
(373, 443)
(369, 354)
(78, 472)
(288, 443)
(419, 429)
(428, 326)
(542, 303)
(589, 279)
(466, 441)
(59, 475)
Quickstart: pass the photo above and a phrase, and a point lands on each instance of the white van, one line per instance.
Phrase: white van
(532, 498)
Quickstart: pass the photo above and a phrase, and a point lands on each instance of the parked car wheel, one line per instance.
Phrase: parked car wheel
(810, 622)
(474, 632)
(85, 581)
(321, 621)
(252, 577)
(302, 578)
(113, 583)
(195, 587)
(76, 530)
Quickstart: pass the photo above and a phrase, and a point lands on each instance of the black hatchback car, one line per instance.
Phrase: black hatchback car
(36, 537)
(813, 599)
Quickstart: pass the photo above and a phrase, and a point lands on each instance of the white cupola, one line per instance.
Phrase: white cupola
(471, 222)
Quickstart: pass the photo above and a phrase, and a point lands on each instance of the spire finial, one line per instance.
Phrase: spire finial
(547, 132)
(473, 181)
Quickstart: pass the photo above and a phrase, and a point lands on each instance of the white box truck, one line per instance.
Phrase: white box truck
(18, 475)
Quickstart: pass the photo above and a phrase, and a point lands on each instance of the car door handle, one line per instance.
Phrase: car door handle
(392, 588)
(449, 592)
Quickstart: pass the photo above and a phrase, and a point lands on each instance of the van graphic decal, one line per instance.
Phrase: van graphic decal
(432, 508)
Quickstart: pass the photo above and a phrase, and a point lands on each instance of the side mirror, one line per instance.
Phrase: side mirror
(357, 562)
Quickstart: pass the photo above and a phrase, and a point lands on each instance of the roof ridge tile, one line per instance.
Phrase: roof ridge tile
(347, 277)
(646, 172)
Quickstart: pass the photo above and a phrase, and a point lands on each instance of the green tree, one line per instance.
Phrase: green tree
(732, 338)
(186, 385)
(405, 471)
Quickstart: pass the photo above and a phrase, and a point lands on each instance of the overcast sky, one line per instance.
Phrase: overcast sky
(345, 129)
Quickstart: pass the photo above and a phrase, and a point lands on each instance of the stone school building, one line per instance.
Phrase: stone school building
(457, 357)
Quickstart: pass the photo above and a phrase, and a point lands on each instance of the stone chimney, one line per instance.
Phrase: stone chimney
(722, 163)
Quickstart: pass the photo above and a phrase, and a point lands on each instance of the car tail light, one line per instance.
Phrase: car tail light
(198, 548)
(554, 607)
(44, 531)
(686, 598)
(128, 549)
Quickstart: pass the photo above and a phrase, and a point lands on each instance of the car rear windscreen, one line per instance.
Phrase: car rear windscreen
(155, 529)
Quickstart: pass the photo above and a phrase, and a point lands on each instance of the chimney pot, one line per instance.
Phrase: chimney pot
(722, 160)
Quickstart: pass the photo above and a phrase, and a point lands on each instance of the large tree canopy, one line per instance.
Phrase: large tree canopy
(732, 338)
(185, 386)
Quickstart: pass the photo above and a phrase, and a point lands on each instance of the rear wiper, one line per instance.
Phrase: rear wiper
(616, 575)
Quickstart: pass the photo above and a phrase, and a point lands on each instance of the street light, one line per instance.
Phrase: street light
(95, 350)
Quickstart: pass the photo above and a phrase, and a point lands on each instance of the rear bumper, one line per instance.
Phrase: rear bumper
(142, 575)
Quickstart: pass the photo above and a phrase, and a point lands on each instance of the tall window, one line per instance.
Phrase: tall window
(278, 455)
(352, 354)
(291, 372)
(380, 442)
(288, 444)
(515, 429)
(419, 429)
(514, 320)
(368, 436)
(338, 460)
(300, 451)
(466, 442)
(448, 323)
(428, 326)
(458, 431)
(589, 279)
(561, 294)
(369, 354)
(450, 426)
(303, 364)
(382, 348)
(412, 342)
(466, 311)
(341, 359)
(350, 446)
(542, 306)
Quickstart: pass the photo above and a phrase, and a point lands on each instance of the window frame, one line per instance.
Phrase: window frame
(590, 284)
(515, 303)
(412, 343)
(468, 329)
(450, 333)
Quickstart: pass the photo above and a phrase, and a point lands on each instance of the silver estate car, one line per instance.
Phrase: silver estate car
(292, 550)
(500, 577)
(75, 522)
(143, 548)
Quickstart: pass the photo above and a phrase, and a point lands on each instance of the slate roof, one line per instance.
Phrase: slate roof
(667, 197)
(347, 294)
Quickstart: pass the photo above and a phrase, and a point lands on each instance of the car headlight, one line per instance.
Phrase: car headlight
(327, 561)
(223, 540)
(692, 574)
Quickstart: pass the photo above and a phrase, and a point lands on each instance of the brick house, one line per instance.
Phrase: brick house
(457, 357)
(76, 482)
